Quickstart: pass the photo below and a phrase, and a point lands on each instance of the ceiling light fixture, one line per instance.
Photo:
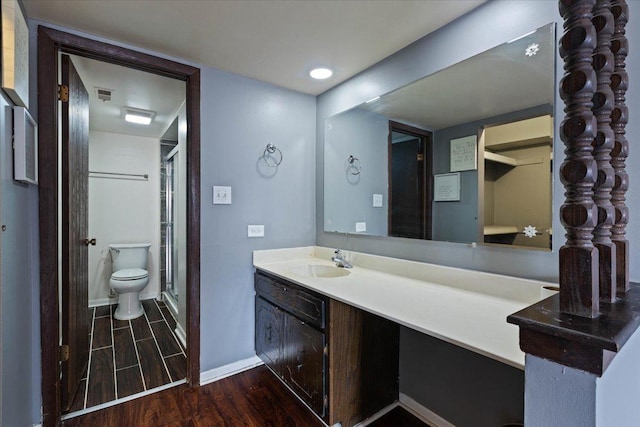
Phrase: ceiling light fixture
(373, 100)
(138, 116)
(320, 73)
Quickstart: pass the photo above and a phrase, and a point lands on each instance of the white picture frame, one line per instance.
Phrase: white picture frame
(446, 187)
(463, 153)
(15, 53)
(25, 143)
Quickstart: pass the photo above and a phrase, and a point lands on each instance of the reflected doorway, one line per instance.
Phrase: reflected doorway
(410, 181)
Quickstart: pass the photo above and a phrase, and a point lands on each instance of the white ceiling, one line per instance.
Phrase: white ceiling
(131, 88)
(276, 41)
(501, 80)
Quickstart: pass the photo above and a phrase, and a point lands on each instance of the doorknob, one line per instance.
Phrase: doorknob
(91, 242)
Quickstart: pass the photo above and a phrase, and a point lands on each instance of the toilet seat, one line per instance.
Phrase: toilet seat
(130, 274)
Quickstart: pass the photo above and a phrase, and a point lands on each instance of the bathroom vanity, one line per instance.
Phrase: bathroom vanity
(331, 334)
(340, 360)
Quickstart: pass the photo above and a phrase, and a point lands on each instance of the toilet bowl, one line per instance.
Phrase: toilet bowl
(129, 277)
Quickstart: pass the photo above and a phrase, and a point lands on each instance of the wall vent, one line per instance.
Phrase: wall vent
(103, 94)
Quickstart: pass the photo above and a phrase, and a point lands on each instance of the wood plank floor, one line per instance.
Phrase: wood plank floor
(254, 398)
(129, 357)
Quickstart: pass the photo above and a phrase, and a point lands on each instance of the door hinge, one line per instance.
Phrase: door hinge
(420, 157)
(326, 350)
(325, 401)
(64, 353)
(63, 93)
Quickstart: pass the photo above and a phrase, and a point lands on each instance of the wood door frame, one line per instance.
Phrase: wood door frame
(50, 43)
(427, 173)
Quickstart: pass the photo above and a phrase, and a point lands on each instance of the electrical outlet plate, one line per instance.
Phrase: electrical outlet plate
(221, 195)
(255, 230)
(361, 227)
(377, 200)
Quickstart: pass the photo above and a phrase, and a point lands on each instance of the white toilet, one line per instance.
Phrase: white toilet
(130, 276)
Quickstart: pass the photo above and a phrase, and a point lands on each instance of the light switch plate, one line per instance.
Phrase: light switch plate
(377, 200)
(255, 230)
(221, 195)
(361, 226)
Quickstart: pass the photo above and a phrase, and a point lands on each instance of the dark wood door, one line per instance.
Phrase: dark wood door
(74, 286)
(407, 192)
(304, 362)
(410, 181)
(268, 335)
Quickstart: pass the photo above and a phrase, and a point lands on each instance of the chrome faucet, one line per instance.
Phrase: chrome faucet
(339, 260)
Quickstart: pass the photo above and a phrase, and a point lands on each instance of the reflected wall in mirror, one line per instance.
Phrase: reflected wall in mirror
(402, 139)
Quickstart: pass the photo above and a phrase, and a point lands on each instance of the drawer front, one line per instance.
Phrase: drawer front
(304, 304)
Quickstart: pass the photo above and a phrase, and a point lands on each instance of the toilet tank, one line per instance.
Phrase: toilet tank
(129, 255)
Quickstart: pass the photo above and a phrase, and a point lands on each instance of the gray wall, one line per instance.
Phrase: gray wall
(19, 311)
(467, 36)
(364, 135)
(452, 388)
(239, 117)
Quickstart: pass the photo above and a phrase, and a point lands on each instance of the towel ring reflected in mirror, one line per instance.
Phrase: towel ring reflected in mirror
(354, 167)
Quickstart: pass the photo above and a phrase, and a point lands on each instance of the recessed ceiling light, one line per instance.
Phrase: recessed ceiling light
(320, 73)
(138, 116)
(373, 100)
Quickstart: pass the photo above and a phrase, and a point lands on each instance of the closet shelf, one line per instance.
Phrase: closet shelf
(498, 158)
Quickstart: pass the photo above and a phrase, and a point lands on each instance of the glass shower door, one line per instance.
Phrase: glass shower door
(171, 236)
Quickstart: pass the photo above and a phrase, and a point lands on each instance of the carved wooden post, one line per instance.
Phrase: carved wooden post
(619, 84)
(579, 293)
(603, 103)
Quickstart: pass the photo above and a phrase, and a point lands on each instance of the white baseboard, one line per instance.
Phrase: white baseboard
(181, 335)
(230, 369)
(106, 301)
(102, 301)
(426, 415)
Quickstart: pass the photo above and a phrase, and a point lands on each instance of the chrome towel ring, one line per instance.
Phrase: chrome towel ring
(354, 167)
(270, 157)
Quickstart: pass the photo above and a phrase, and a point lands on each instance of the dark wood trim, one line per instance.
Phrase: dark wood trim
(619, 117)
(579, 266)
(48, 223)
(427, 173)
(577, 341)
(50, 42)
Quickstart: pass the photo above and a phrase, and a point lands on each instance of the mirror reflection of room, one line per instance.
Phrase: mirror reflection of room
(392, 196)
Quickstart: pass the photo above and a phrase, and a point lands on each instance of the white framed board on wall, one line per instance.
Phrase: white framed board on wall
(15, 53)
(446, 187)
(464, 153)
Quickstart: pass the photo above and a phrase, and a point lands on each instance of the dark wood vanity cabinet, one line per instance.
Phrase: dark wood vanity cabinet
(341, 361)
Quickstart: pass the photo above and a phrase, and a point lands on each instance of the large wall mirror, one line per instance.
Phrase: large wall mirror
(462, 155)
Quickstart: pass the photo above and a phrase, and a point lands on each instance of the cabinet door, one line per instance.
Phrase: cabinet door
(268, 335)
(305, 362)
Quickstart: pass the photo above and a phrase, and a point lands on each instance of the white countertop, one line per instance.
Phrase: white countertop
(463, 307)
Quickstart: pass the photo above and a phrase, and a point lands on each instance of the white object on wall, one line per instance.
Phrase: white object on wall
(221, 195)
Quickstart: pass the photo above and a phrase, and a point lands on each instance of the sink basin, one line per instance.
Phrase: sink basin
(320, 271)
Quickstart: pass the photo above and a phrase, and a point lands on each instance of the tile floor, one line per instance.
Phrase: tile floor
(130, 356)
